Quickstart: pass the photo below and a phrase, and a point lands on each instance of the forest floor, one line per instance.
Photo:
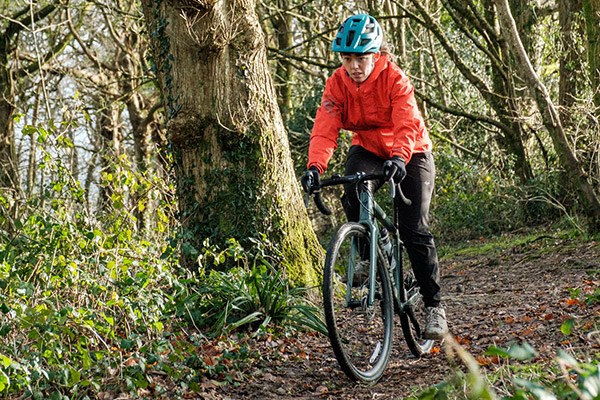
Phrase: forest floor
(498, 295)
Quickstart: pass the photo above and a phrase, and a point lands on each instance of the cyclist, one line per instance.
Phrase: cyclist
(373, 98)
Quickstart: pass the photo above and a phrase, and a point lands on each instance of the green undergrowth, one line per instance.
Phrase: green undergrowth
(538, 239)
(519, 376)
(249, 298)
(93, 309)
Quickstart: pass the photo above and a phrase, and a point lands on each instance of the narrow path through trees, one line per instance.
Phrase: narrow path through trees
(522, 293)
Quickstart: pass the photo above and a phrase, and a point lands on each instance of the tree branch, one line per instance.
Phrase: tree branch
(15, 26)
(461, 113)
(53, 52)
(302, 59)
(432, 25)
(84, 47)
(484, 30)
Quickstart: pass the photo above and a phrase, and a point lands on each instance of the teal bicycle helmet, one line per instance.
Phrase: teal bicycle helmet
(360, 34)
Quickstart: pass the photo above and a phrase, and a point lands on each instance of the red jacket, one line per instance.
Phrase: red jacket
(381, 112)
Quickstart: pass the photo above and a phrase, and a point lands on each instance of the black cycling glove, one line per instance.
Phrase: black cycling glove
(310, 179)
(394, 168)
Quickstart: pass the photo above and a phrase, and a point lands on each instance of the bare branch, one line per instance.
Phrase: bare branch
(83, 46)
(15, 26)
(432, 25)
(302, 59)
(482, 27)
(462, 113)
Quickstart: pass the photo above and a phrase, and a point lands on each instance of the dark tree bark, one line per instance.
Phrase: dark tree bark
(9, 173)
(571, 69)
(282, 25)
(591, 9)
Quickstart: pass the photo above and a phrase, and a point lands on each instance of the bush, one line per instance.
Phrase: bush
(250, 299)
(81, 304)
(473, 202)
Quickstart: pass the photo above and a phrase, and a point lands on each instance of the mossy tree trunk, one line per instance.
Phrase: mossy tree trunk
(232, 160)
(284, 72)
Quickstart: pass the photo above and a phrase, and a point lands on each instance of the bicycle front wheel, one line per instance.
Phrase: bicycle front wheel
(360, 333)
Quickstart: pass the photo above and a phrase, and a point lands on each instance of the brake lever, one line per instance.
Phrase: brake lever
(392, 188)
(307, 189)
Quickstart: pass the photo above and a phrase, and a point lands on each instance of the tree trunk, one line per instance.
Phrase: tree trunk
(401, 40)
(591, 11)
(282, 24)
(501, 97)
(10, 184)
(140, 129)
(110, 150)
(9, 177)
(570, 78)
(509, 105)
(551, 119)
(232, 162)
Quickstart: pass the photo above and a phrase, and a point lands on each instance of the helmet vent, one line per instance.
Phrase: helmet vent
(350, 38)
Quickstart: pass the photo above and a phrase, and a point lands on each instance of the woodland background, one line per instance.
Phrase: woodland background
(111, 185)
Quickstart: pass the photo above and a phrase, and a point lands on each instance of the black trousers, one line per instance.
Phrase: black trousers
(413, 220)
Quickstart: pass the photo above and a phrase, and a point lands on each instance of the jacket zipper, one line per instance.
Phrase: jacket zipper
(360, 106)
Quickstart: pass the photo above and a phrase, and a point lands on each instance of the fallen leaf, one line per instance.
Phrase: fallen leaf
(462, 340)
(527, 332)
(485, 360)
(209, 360)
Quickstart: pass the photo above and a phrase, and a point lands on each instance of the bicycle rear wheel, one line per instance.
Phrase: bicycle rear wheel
(413, 316)
(361, 336)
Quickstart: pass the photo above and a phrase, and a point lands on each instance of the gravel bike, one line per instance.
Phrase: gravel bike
(365, 284)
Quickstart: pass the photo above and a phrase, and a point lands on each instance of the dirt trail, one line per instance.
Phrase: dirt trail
(506, 295)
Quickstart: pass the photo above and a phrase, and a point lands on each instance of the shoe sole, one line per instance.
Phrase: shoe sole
(434, 336)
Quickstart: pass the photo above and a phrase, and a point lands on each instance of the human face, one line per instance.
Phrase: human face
(359, 66)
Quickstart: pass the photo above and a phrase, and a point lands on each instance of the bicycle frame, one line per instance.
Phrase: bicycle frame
(370, 212)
